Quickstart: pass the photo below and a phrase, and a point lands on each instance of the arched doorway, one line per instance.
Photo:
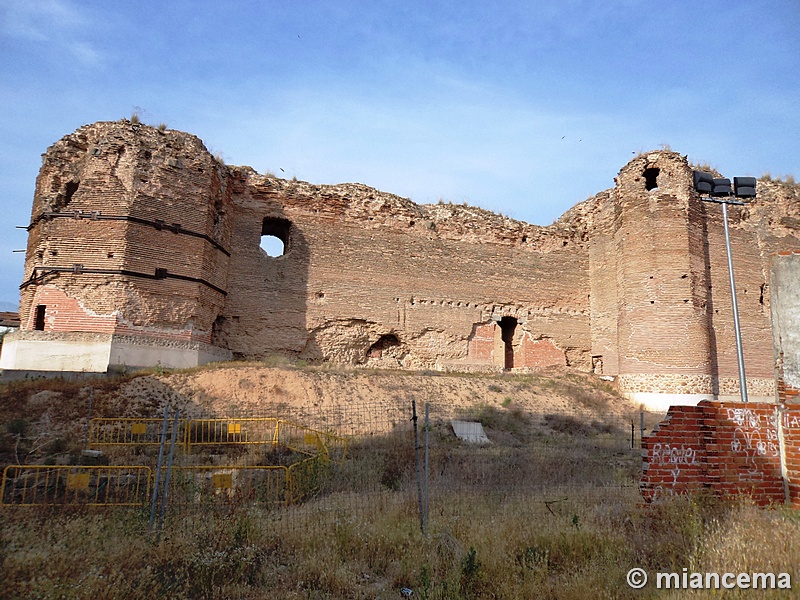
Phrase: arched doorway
(507, 327)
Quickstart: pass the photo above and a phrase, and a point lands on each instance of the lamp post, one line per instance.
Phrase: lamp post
(719, 191)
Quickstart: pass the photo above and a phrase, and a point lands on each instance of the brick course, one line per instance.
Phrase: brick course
(725, 448)
(631, 283)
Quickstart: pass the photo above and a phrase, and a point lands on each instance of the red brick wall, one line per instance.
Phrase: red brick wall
(538, 353)
(726, 448)
(64, 313)
(67, 314)
(674, 454)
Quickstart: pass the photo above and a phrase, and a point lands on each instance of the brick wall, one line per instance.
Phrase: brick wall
(117, 200)
(726, 448)
(631, 283)
(361, 264)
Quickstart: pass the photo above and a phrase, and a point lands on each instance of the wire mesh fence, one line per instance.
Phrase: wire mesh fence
(301, 463)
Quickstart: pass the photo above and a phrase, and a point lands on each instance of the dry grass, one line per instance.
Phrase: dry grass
(484, 546)
(549, 509)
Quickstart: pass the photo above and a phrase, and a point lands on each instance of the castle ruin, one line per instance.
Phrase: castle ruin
(145, 250)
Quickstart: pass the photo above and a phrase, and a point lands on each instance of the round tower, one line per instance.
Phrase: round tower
(663, 325)
(127, 255)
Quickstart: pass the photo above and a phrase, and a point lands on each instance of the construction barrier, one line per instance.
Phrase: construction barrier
(248, 431)
(28, 485)
(305, 478)
(130, 432)
(306, 455)
(261, 484)
(276, 433)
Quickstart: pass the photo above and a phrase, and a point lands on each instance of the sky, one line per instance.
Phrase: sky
(523, 108)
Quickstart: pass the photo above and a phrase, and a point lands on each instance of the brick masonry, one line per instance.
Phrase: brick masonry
(725, 448)
(137, 231)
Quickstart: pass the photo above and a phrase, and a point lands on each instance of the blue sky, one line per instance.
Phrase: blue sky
(524, 108)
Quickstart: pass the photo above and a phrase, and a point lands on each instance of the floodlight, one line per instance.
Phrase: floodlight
(744, 187)
(703, 182)
(719, 188)
(722, 187)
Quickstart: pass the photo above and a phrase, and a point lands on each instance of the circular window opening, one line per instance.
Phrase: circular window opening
(272, 245)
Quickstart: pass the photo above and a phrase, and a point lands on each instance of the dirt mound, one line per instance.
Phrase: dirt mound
(52, 415)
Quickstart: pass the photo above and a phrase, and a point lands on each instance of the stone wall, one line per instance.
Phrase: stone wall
(141, 232)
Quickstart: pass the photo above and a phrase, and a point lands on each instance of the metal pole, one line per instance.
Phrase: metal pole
(419, 474)
(165, 495)
(739, 354)
(89, 419)
(158, 469)
(641, 426)
(427, 463)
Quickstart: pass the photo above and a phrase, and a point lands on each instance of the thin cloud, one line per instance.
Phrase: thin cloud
(38, 21)
(86, 54)
(55, 23)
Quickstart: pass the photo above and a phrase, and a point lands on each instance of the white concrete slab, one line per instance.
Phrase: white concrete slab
(470, 431)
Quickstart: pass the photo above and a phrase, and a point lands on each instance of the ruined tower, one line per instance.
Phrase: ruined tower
(127, 253)
(144, 250)
(662, 321)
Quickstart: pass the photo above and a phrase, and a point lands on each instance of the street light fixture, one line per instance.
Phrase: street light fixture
(719, 191)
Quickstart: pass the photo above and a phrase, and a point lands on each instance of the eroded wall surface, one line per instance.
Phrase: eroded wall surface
(141, 235)
(431, 286)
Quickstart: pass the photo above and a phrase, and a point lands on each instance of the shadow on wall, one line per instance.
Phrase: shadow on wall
(709, 304)
(265, 312)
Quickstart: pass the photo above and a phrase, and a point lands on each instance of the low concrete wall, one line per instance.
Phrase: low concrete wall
(785, 308)
(38, 351)
(128, 351)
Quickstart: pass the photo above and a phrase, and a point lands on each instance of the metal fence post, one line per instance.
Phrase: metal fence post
(419, 474)
(427, 464)
(165, 495)
(158, 469)
(641, 425)
(88, 420)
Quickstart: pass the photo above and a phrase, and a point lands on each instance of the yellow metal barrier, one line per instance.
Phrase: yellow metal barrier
(129, 432)
(305, 478)
(266, 431)
(262, 484)
(213, 432)
(27, 485)
(265, 484)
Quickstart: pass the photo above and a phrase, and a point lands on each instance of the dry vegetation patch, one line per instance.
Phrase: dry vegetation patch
(549, 509)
